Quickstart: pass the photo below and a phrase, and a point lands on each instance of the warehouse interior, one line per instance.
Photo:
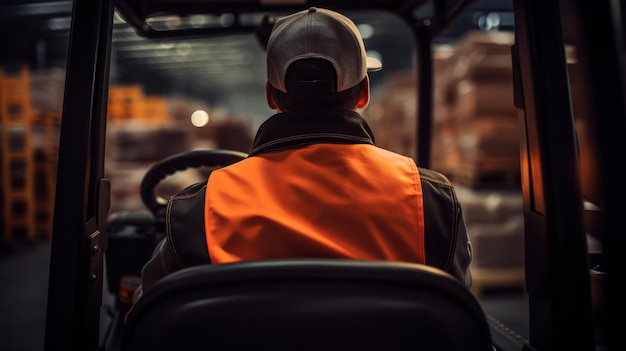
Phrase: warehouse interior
(197, 94)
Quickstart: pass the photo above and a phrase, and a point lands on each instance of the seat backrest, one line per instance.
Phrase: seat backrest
(308, 304)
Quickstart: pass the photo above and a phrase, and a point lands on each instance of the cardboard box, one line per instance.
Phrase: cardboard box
(488, 139)
(494, 98)
(483, 56)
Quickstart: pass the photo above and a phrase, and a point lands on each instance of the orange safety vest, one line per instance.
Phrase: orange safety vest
(354, 201)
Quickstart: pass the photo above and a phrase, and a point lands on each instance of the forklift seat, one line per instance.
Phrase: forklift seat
(308, 304)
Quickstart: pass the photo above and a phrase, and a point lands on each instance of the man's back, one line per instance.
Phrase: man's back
(353, 201)
(314, 183)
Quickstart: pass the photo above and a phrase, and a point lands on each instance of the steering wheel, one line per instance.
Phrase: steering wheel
(180, 162)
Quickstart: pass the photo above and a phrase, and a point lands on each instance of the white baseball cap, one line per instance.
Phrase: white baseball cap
(318, 33)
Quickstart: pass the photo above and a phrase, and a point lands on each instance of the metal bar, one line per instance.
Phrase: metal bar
(50, 9)
(72, 316)
(424, 70)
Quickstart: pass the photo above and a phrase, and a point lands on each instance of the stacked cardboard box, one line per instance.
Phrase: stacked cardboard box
(30, 116)
(129, 103)
(125, 103)
(476, 136)
(476, 144)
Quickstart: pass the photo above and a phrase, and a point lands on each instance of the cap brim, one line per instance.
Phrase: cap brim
(373, 64)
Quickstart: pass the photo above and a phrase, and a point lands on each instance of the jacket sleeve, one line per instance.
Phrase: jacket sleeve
(446, 239)
(462, 256)
(160, 264)
(184, 244)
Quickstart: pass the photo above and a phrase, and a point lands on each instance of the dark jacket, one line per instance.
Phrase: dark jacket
(446, 243)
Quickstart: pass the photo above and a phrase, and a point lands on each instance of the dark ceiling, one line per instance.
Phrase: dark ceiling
(36, 33)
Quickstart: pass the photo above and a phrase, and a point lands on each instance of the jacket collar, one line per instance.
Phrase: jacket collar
(289, 130)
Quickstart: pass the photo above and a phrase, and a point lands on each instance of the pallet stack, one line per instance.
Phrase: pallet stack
(16, 153)
(128, 103)
(125, 103)
(476, 126)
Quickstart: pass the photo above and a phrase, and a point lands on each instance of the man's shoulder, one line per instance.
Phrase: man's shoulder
(185, 226)
(433, 176)
(190, 191)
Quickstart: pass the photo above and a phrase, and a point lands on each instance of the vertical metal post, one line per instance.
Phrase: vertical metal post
(82, 195)
(598, 31)
(424, 62)
(557, 274)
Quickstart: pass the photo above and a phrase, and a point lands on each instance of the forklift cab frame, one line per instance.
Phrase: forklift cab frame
(557, 259)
